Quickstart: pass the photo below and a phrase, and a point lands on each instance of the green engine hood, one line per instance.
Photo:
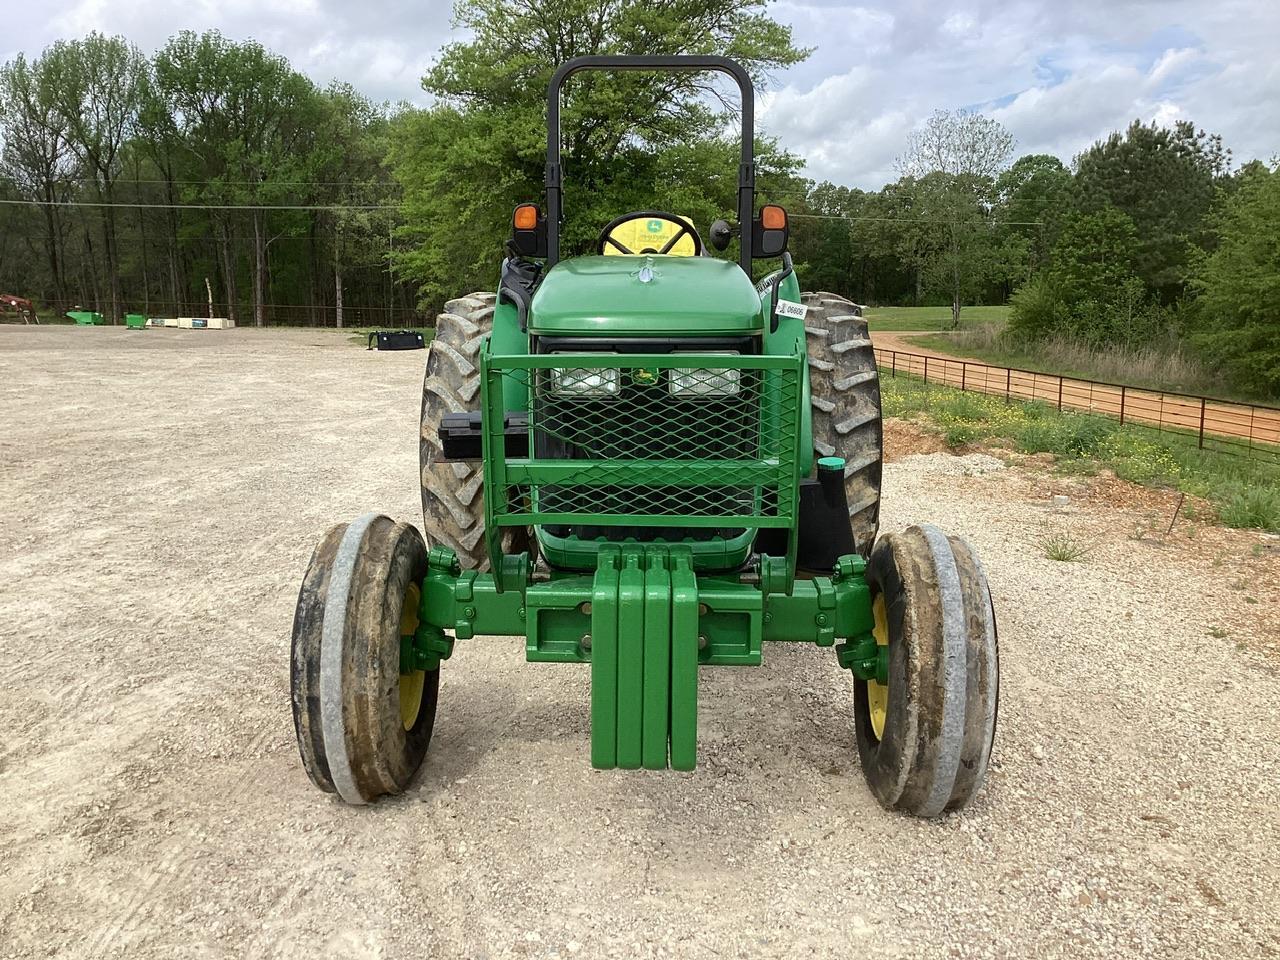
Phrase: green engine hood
(619, 297)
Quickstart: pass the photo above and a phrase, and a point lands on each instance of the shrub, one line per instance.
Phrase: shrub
(1035, 310)
(1063, 547)
(1246, 506)
(1139, 460)
(1067, 435)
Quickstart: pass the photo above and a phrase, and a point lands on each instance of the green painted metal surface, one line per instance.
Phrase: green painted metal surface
(86, 318)
(644, 659)
(606, 297)
(604, 660)
(638, 458)
(135, 321)
(646, 622)
(656, 668)
(684, 665)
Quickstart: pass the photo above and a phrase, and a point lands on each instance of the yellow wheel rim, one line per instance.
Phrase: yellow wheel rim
(411, 684)
(878, 694)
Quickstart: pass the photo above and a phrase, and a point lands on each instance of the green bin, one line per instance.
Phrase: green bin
(86, 318)
(135, 321)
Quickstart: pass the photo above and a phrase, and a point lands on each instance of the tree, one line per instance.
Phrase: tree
(1034, 194)
(97, 86)
(349, 149)
(244, 116)
(630, 140)
(1164, 180)
(955, 159)
(36, 157)
(1091, 291)
(1239, 284)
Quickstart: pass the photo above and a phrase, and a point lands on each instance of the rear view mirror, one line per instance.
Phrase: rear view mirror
(720, 235)
(770, 232)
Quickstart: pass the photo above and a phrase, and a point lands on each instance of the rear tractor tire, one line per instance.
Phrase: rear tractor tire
(844, 392)
(363, 728)
(452, 492)
(925, 738)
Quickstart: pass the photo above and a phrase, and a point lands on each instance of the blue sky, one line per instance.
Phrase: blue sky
(1058, 73)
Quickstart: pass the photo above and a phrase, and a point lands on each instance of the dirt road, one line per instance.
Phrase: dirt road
(902, 354)
(161, 492)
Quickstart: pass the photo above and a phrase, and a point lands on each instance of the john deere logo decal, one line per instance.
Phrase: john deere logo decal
(644, 378)
(654, 226)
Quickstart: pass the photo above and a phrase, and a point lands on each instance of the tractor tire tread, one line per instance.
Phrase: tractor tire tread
(844, 390)
(943, 675)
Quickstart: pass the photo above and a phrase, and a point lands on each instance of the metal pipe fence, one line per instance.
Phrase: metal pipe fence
(1223, 426)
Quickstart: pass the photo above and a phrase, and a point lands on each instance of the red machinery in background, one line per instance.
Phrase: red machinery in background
(23, 308)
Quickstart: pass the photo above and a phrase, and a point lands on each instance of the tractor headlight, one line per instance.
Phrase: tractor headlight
(706, 381)
(585, 381)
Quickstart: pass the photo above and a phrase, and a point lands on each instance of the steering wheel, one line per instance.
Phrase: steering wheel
(683, 228)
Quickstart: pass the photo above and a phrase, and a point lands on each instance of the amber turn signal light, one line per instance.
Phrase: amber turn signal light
(525, 217)
(773, 218)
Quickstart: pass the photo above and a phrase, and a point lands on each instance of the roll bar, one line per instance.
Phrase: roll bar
(746, 165)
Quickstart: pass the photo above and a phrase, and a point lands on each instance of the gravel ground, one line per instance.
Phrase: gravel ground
(162, 491)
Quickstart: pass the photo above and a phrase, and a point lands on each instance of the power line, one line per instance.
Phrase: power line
(329, 207)
(819, 216)
(259, 183)
(337, 208)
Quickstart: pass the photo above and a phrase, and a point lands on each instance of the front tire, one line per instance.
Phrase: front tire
(362, 727)
(926, 739)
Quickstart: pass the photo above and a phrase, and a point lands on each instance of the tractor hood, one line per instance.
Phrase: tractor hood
(637, 296)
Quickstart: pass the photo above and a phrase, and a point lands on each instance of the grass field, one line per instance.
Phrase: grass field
(932, 318)
(1244, 492)
(1166, 366)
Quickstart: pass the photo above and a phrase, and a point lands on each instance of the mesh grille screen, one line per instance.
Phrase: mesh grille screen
(625, 443)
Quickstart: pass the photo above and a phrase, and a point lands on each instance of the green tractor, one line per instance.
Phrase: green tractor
(642, 462)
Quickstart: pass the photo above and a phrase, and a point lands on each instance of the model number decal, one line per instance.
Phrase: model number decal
(788, 309)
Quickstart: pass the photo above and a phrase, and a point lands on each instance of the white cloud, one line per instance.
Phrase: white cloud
(1059, 73)
(382, 47)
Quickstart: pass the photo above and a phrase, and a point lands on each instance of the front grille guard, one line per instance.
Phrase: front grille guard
(641, 456)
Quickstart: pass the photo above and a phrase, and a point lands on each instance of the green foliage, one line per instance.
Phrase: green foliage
(207, 121)
(1036, 310)
(630, 140)
(1093, 256)
(1239, 284)
(1245, 506)
(1071, 435)
(1163, 179)
(1034, 193)
(1063, 547)
(1089, 291)
(954, 160)
(1244, 492)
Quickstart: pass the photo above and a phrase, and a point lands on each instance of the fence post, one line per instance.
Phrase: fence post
(1059, 394)
(964, 371)
(893, 371)
(1123, 391)
(1008, 381)
(1202, 423)
(926, 370)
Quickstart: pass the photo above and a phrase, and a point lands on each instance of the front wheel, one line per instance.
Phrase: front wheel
(925, 738)
(363, 727)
